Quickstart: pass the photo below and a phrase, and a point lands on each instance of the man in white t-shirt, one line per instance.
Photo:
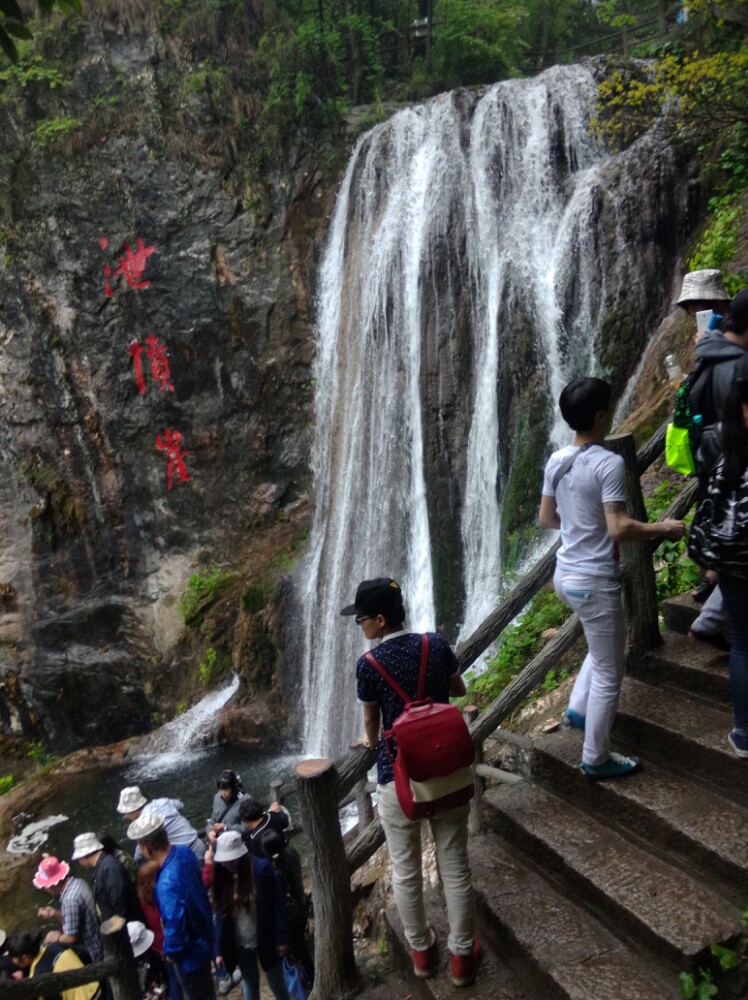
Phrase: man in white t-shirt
(583, 497)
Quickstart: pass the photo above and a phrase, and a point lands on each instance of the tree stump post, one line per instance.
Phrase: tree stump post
(639, 589)
(275, 791)
(336, 976)
(475, 820)
(364, 805)
(115, 940)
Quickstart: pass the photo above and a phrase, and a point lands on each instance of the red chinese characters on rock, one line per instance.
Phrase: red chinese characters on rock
(131, 265)
(170, 442)
(157, 354)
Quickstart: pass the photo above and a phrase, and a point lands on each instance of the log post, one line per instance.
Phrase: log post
(336, 975)
(364, 805)
(639, 590)
(123, 984)
(275, 791)
(475, 820)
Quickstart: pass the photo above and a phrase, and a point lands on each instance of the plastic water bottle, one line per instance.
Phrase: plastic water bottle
(673, 370)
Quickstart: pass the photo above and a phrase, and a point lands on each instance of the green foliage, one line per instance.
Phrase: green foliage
(6, 783)
(674, 571)
(212, 667)
(519, 642)
(697, 989)
(181, 707)
(477, 42)
(29, 70)
(51, 132)
(202, 590)
(13, 24)
(36, 752)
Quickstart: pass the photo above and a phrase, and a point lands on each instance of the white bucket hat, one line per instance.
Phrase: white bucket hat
(145, 826)
(230, 846)
(141, 938)
(85, 844)
(703, 286)
(130, 799)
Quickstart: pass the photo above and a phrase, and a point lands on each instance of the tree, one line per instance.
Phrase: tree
(12, 24)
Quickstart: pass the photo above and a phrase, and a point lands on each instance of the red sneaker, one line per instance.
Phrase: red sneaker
(462, 968)
(424, 962)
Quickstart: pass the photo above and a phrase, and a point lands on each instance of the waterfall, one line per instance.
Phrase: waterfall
(459, 224)
(183, 739)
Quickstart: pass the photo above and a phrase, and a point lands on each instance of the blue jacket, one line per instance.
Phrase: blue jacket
(185, 909)
(272, 920)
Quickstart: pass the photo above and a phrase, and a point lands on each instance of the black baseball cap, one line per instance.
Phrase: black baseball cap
(381, 596)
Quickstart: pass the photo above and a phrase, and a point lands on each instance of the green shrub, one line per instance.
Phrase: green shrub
(37, 753)
(51, 132)
(254, 599)
(202, 590)
(6, 783)
(212, 668)
(519, 642)
(674, 571)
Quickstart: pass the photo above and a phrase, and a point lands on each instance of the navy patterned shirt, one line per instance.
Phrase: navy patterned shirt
(400, 655)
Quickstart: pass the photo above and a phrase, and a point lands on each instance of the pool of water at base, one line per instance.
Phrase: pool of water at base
(89, 802)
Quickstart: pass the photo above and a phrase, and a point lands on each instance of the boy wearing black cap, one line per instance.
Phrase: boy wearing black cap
(379, 610)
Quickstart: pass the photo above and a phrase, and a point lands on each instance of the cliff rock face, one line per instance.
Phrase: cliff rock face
(139, 302)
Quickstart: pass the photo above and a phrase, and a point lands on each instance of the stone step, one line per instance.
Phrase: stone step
(536, 943)
(682, 733)
(680, 612)
(696, 826)
(632, 891)
(494, 981)
(696, 667)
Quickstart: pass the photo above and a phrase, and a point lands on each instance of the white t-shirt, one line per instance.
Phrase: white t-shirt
(595, 478)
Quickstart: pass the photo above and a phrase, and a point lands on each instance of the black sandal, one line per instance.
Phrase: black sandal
(702, 592)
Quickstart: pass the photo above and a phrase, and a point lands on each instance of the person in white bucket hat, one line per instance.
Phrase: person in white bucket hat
(133, 804)
(113, 891)
(251, 919)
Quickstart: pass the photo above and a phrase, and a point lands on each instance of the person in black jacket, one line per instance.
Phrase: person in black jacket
(256, 820)
(113, 890)
(250, 911)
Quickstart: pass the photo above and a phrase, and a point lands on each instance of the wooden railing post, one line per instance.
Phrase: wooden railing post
(475, 820)
(123, 984)
(275, 791)
(335, 974)
(364, 804)
(639, 589)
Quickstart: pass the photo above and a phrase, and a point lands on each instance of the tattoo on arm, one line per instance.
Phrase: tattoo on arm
(615, 507)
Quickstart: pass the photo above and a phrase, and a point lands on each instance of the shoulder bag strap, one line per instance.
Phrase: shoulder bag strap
(424, 664)
(567, 464)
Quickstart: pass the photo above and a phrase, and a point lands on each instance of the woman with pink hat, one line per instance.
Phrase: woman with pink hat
(76, 912)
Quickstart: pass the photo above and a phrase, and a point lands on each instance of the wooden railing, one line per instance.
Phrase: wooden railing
(323, 784)
(117, 968)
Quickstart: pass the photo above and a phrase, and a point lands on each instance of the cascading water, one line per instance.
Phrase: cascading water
(183, 739)
(458, 222)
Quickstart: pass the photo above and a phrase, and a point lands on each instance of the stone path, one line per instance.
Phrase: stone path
(606, 890)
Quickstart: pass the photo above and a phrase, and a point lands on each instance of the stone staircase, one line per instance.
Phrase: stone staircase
(604, 891)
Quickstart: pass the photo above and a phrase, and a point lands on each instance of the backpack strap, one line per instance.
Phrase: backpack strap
(370, 658)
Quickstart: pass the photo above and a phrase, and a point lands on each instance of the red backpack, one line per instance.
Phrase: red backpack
(430, 748)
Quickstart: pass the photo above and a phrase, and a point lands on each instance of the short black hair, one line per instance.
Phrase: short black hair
(22, 943)
(249, 808)
(581, 399)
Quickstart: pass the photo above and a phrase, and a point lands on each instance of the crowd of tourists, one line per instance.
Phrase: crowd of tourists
(203, 911)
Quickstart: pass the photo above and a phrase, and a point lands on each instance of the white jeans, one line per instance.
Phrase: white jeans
(598, 602)
(450, 833)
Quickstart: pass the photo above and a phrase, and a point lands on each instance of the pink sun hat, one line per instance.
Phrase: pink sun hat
(51, 872)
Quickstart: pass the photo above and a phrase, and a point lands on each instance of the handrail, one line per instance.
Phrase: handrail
(323, 784)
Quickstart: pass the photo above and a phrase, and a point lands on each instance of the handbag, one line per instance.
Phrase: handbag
(430, 748)
(295, 979)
